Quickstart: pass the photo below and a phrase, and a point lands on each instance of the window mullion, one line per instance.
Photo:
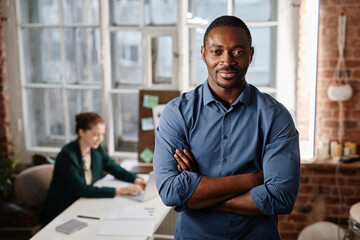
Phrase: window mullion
(144, 46)
(229, 7)
(22, 77)
(183, 33)
(106, 67)
(142, 14)
(63, 73)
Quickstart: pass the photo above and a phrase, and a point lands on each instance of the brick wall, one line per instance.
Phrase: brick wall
(328, 111)
(5, 136)
(318, 198)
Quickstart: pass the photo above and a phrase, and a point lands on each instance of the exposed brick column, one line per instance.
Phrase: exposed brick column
(5, 134)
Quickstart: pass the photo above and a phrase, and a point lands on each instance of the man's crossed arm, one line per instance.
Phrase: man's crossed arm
(227, 194)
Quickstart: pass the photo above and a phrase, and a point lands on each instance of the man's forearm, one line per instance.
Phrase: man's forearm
(214, 190)
(241, 205)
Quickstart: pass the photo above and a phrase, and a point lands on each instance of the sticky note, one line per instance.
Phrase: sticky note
(147, 124)
(147, 155)
(156, 111)
(150, 101)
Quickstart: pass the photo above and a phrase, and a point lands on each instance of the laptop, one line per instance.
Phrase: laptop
(149, 192)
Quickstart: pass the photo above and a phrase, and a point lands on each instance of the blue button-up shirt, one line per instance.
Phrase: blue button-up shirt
(255, 134)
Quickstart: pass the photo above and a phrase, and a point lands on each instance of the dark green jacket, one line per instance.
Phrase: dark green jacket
(68, 182)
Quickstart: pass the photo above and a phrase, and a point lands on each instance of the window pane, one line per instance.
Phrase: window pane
(125, 12)
(82, 46)
(41, 48)
(161, 56)
(197, 68)
(204, 11)
(262, 68)
(80, 11)
(259, 10)
(126, 59)
(126, 114)
(45, 117)
(161, 12)
(39, 11)
(80, 101)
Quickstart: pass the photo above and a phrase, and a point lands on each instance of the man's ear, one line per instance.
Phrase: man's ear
(203, 53)
(251, 54)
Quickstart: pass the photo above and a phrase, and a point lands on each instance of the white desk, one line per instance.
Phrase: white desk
(98, 207)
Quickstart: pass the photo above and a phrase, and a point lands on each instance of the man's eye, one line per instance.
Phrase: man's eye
(236, 53)
(217, 52)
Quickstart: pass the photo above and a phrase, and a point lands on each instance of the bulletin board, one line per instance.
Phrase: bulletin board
(146, 143)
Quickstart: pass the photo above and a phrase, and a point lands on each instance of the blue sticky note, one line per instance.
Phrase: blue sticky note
(147, 124)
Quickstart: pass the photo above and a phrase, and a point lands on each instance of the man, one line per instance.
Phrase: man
(227, 155)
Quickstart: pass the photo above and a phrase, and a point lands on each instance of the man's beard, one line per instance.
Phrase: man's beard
(226, 86)
(233, 85)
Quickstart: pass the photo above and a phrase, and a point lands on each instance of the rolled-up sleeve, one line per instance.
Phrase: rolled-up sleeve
(281, 167)
(174, 188)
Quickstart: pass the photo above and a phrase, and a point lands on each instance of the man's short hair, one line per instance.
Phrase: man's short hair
(230, 21)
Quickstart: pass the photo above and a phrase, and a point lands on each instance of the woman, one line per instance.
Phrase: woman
(82, 162)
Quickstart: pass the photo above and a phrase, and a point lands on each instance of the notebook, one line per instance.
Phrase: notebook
(149, 192)
(71, 226)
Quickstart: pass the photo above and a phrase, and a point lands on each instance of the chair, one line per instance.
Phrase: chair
(31, 186)
(322, 231)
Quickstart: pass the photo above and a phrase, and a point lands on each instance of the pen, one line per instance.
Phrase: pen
(81, 216)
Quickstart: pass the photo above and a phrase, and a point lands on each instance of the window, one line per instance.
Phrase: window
(260, 16)
(61, 71)
(92, 55)
(142, 40)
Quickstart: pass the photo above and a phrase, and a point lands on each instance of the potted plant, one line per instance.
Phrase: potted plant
(7, 166)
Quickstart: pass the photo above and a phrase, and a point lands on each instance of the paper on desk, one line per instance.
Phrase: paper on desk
(135, 212)
(129, 221)
(127, 227)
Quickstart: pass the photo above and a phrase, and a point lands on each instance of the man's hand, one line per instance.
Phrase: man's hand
(185, 160)
(229, 193)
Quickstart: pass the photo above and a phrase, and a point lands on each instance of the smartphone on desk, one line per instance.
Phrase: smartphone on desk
(71, 226)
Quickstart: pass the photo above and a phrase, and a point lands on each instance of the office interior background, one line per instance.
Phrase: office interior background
(61, 57)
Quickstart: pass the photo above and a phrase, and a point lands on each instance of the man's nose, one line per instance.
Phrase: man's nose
(227, 59)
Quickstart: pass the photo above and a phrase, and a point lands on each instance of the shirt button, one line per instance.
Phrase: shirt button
(225, 160)
(225, 137)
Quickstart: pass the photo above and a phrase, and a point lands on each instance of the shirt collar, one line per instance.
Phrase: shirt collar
(207, 95)
(245, 96)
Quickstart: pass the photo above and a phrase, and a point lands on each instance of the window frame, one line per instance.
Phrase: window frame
(181, 63)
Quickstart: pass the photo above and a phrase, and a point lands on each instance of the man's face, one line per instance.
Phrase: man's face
(227, 54)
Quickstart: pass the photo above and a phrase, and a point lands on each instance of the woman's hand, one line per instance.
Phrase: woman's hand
(132, 190)
(141, 182)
